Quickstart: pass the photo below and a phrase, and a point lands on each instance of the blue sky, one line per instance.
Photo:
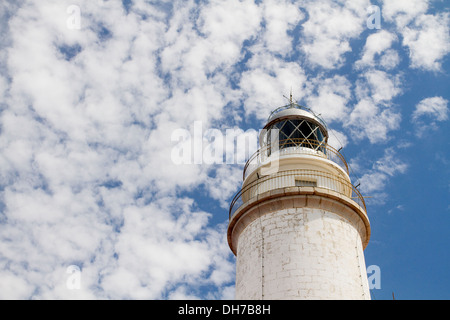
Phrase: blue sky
(93, 91)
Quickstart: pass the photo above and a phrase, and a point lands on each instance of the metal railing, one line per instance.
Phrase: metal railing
(294, 146)
(294, 105)
(295, 178)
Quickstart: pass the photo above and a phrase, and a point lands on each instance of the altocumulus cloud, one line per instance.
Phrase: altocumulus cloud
(86, 116)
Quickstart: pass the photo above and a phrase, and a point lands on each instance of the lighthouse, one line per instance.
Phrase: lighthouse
(298, 226)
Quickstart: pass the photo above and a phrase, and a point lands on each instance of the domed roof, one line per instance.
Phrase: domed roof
(295, 111)
(290, 112)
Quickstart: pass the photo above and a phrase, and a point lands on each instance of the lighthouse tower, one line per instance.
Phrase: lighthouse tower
(298, 227)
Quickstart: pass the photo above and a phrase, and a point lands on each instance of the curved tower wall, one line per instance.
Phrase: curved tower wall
(299, 228)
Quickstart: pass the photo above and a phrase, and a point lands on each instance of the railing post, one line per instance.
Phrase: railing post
(277, 180)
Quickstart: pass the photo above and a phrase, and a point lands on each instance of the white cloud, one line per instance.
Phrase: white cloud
(228, 293)
(403, 11)
(279, 18)
(3, 86)
(364, 110)
(158, 246)
(436, 107)
(376, 44)
(86, 171)
(264, 86)
(368, 120)
(181, 293)
(428, 41)
(383, 87)
(331, 100)
(200, 50)
(373, 116)
(337, 139)
(327, 33)
(222, 186)
(427, 113)
(13, 286)
(233, 21)
(425, 35)
(374, 183)
(390, 59)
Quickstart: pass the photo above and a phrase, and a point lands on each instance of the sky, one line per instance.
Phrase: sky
(98, 99)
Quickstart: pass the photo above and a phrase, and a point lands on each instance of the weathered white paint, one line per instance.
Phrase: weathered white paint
(301, 253)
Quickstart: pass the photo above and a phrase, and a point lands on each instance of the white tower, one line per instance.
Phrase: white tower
(298, 227)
